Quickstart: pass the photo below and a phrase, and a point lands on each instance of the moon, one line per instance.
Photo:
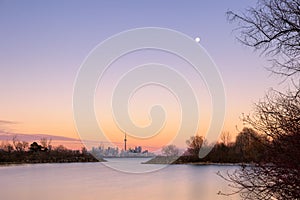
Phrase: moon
(197, 39)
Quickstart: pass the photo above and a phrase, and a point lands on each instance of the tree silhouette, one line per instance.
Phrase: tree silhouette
(35, 147)
(46, 143)
(19, 146)
(194, 145)
(170, 150)
(276, 176)
(250, 146)
(225, 138)
(273, 27)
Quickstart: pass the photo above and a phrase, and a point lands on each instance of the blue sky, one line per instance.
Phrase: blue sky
(43, 44)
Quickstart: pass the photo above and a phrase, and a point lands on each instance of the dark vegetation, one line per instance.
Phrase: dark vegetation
(273, 28)
(249, 147)
(276, 175)
(20, 152)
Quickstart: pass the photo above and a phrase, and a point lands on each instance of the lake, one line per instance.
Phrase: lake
(78, 181)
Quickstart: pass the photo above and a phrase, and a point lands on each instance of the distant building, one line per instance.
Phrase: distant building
(137, 149)
(125, 141)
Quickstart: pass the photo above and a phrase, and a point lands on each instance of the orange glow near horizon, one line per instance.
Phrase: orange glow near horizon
(39, 67)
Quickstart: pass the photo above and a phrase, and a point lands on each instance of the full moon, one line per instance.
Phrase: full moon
(197, 39)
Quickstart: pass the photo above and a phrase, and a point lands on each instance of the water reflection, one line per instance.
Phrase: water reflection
(95, 181)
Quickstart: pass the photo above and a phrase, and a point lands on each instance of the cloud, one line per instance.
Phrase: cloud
(6, 126)
(5, 122)
(34, 137)
(6, 133)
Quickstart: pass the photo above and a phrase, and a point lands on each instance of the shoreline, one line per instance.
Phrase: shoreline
(177, 160)
(202, 164)
(212, 163)
(29, 163)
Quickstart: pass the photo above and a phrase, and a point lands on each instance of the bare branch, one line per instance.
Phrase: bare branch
(273, 27)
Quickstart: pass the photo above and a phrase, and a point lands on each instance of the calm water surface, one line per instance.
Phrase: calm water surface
(76, 181)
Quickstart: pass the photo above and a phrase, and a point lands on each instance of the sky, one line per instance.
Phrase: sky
(44, 43)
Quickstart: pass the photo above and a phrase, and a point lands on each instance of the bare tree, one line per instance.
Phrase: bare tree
(277, 175)
(250, 145)
(6, 146)
(273, 27)
(46, 143)
(84, 150)
(20, 146)
(60, 149)
(278, 117)
(194, 144)
(170, 150)
(225, 138)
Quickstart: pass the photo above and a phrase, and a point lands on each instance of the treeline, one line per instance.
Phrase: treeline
(21, 152)
(249, 147)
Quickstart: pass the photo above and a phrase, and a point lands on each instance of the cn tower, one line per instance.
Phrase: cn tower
(125, 140)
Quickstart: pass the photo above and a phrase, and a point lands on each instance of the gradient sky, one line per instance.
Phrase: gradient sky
(43, 44)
